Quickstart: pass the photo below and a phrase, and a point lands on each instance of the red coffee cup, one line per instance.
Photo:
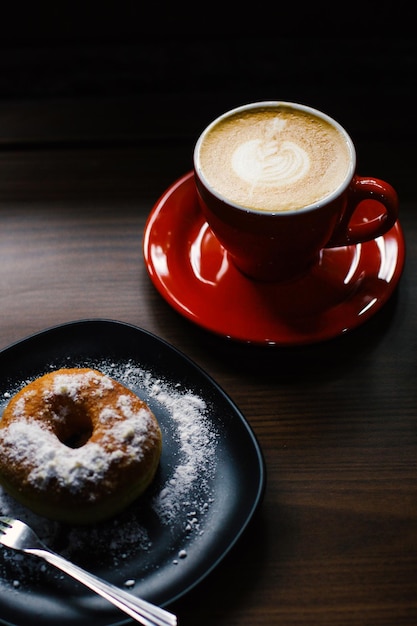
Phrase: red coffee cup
(276, 183)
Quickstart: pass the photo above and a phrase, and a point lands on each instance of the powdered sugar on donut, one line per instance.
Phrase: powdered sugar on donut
(37, 449)
(77, 447)
(182, 497)
(70, 385)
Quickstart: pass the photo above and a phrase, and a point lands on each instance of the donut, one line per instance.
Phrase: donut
(77, 446)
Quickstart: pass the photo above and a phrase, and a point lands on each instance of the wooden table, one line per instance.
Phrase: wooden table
(335, 541)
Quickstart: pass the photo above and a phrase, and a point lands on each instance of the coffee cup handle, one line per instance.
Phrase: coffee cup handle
(370, 226)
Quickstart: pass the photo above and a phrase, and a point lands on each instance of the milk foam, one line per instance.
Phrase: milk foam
(271, 163)
(274, 159)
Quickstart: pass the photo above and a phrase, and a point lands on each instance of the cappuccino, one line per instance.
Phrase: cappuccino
(274, 158)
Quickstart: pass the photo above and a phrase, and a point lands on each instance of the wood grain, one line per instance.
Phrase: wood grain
(335, 541)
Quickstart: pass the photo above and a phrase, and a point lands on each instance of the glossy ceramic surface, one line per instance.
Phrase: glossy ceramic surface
(192, 271)
(163, 558)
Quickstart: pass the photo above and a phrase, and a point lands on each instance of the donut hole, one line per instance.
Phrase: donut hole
(75, 426)
(78, 438)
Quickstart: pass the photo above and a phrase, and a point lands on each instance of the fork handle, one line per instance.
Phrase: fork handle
(140, 610)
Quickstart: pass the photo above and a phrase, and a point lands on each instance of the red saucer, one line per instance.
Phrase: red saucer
(191, 270)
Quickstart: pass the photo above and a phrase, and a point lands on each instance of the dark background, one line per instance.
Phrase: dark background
(191, 61)
(356, 61)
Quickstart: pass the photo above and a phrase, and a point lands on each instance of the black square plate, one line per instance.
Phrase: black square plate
(210, 482)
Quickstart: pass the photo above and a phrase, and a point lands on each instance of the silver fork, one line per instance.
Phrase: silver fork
(18, 535)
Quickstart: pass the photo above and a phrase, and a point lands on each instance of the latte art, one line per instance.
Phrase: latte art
(271, 164)
(274, 158)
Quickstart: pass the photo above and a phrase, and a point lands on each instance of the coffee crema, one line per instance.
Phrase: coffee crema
(274, 158)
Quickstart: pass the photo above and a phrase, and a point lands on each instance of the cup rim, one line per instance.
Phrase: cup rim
(278, 103)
